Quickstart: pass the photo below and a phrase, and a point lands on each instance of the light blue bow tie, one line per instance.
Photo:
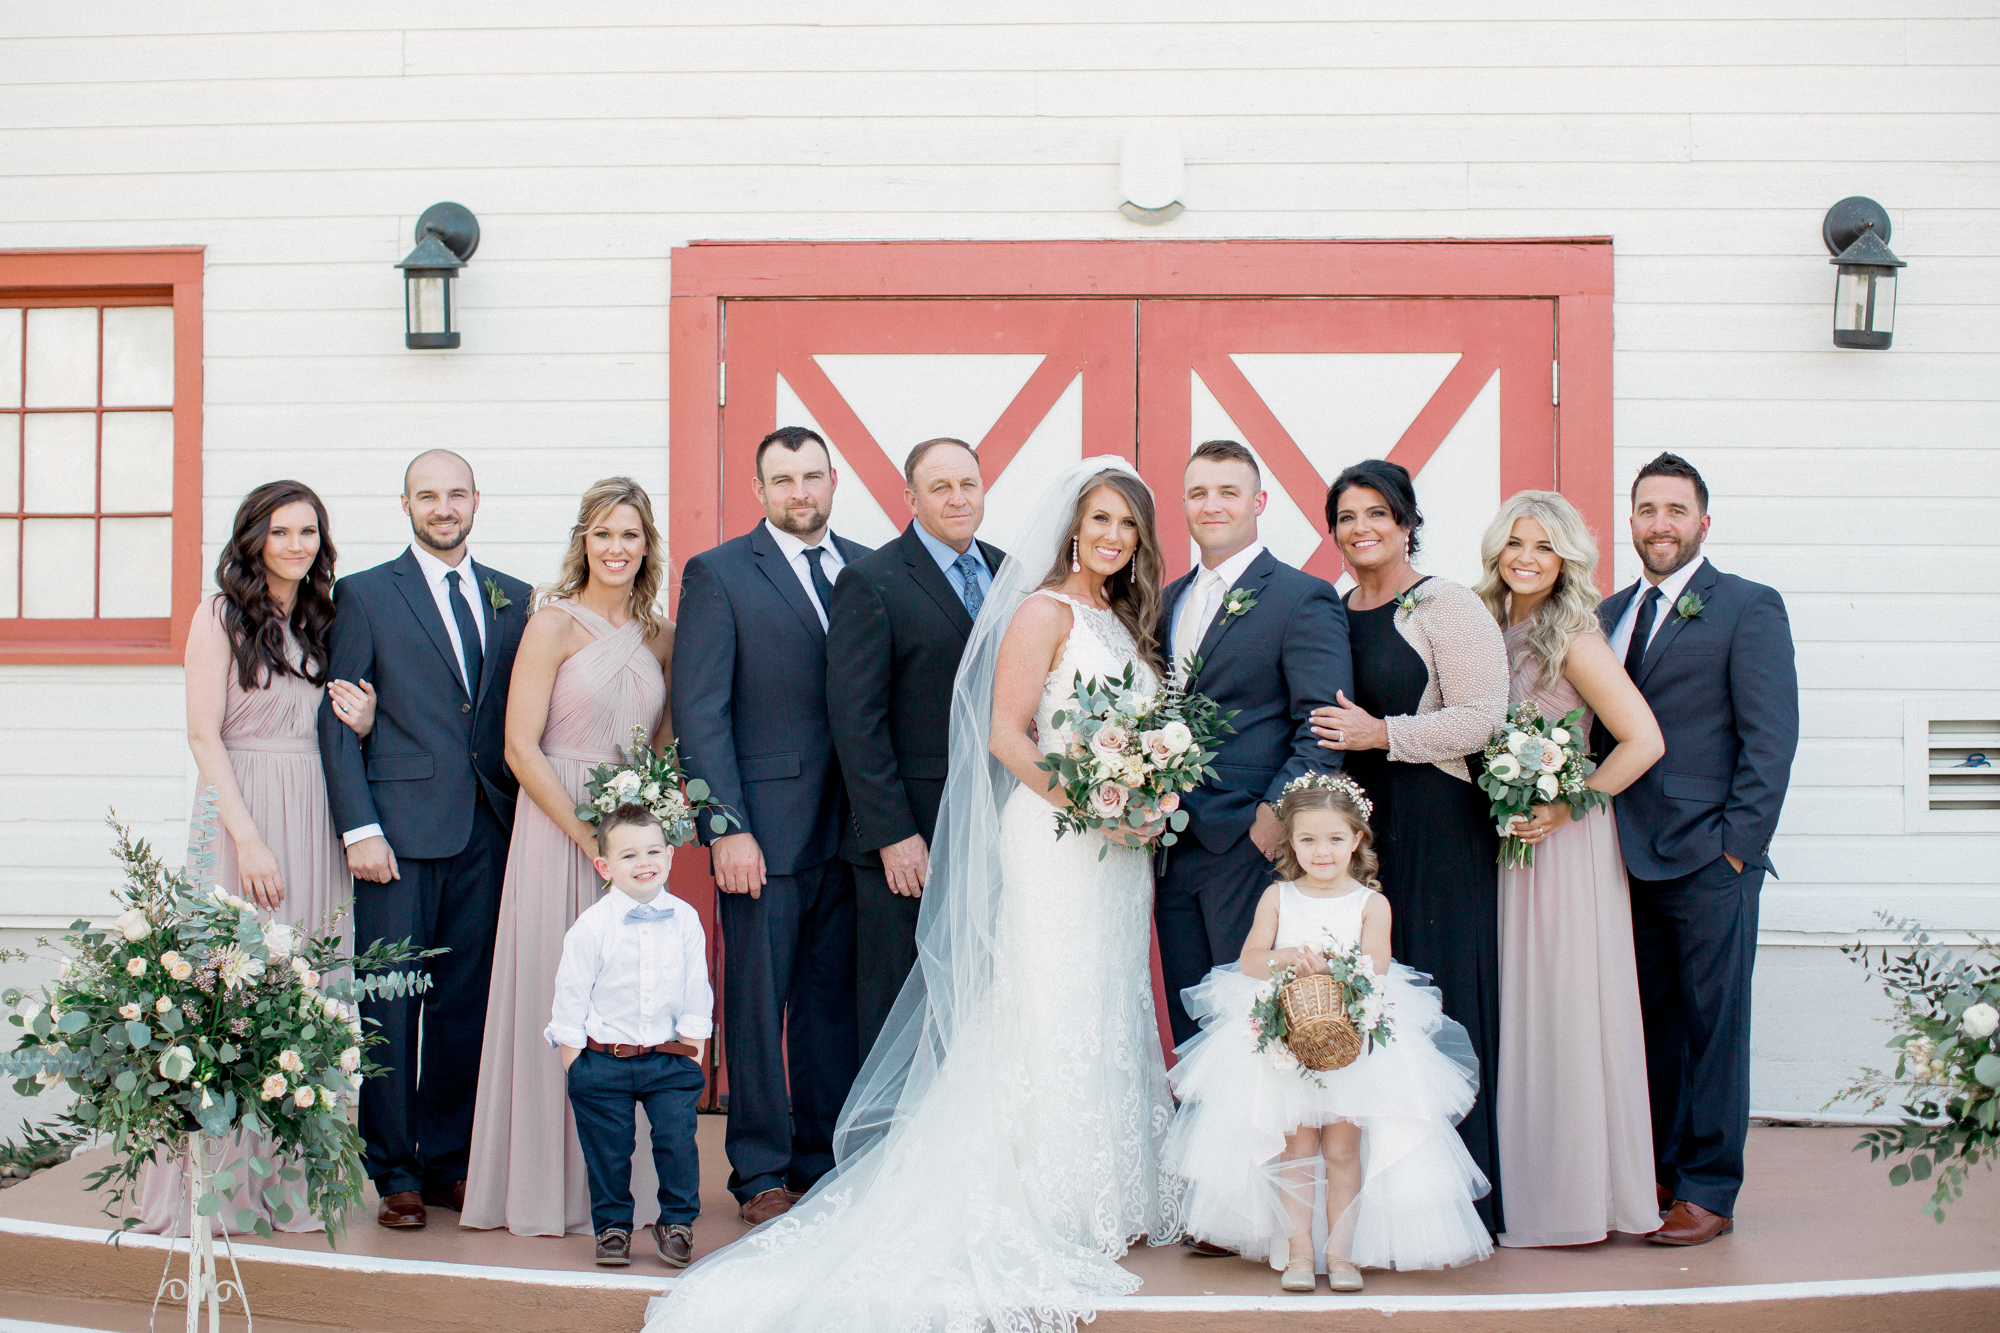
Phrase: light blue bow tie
(649, 912)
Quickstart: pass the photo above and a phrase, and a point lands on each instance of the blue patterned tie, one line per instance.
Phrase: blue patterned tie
(649, 912)
(968, 567)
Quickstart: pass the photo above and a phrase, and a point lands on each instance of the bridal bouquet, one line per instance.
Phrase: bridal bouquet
(1126, 755)
(187, 1017)
(653, 778)
(1531, 763)
(1946, 1035)
(1362, 995)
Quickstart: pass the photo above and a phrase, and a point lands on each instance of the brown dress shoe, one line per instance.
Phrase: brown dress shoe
(1690, 1224)
(761, 1208)
(675, 1243)
(614, 1249)
(404, 1210)
(1665, 1196)
(1203, 1248)
(452, 1198)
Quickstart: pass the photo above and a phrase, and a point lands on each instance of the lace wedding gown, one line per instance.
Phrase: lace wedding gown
(1030, 1161)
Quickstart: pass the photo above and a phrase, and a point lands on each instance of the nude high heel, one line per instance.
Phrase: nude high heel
(1342, 1276)
(1298, 1276)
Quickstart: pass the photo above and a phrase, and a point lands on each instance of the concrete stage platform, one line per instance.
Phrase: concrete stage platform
(1822, 1243)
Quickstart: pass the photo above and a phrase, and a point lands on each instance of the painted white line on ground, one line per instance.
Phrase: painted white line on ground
(24, 1326)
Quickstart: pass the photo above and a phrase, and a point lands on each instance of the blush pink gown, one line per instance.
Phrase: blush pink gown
(1576, 1137)
(526, 1170)
(274, 751)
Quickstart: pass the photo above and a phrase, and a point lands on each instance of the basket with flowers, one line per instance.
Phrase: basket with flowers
(1312, 1022)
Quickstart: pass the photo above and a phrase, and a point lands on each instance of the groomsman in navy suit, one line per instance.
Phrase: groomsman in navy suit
(1272, 646)
(426, 806)
(751, 712)
(1712, 653)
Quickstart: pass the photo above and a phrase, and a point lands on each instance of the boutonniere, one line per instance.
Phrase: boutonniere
(1690, 606)
(1237, 602)
(496, 598)
(1409, 601)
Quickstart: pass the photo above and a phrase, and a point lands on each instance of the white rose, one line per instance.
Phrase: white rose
(181, 970)
(136, 967)
(303, 1096)
(1979, 1021)
(289, 1062)
(280, 940)
(133, 925)
(1560, 736)
(163, 1004)
(625, 783)
(1546, 785)
(1518, 741)
(1504, 767)
(350, 1059)
(1176, 737)
(177, 1063)
(650, 792)
(272, 1088)
(128, 1012)
(47, 1080)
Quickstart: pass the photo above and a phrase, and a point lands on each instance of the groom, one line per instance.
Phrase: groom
(425, 806)
(749, 707)
(1712, 653)
(1272, 646)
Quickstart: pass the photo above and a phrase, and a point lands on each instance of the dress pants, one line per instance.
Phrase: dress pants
(1696, 941)
(787, 1009)
(602, 1092)
(416, 1119)
(885, 949)
(1203, 907)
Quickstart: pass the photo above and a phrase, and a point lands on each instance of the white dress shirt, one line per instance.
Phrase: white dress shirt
(1670, 592)
(1195, 611)
(795, 555)
(468, 588)
(637, 983)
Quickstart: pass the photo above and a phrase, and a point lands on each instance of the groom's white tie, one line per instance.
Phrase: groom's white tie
(1197, 609)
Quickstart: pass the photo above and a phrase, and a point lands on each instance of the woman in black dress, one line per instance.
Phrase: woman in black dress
(1430, 686)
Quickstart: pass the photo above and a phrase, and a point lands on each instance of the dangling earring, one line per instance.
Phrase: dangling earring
(1075, 565)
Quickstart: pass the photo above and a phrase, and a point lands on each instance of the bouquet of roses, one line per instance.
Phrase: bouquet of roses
(1530, 763)
(188, 1017)
(1124, 756)
(653, 778)
(1946, 1035)
(1361, 993)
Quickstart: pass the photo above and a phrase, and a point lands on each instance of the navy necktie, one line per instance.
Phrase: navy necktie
(1642, 631)
(968, 567)
(649, 912)
(468, 636)
(821, 588)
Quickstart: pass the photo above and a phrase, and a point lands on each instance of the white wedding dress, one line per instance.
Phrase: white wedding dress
(1002, 1148)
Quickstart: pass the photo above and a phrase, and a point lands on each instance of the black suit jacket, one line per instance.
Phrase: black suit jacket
(750, 697)
(1726, 692)
(432, 749)
(898, 630)
(1274, 664)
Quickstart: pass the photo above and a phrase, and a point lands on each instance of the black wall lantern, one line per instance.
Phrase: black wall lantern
(1856, 232)
(447, 234)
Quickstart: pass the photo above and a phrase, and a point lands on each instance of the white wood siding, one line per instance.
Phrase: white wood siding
(299, 143)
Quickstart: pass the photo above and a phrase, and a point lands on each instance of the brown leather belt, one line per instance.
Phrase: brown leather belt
(625, 1050)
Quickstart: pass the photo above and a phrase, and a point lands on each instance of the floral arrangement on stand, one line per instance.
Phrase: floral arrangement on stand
(1127, 755)
(1947, 1073)
(187, 1026)
(654, 779)
(1531, 763)
(1361, 994)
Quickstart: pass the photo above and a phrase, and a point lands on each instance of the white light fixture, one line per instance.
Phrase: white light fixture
(1151, 174)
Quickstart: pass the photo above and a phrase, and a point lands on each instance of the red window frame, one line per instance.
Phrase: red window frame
(166, 275)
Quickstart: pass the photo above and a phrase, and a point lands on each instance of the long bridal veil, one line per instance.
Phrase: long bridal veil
(928, 1221)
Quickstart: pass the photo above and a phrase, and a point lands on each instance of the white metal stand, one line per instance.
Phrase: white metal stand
(203, 1287)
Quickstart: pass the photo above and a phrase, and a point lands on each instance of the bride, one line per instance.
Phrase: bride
(1001, 1148)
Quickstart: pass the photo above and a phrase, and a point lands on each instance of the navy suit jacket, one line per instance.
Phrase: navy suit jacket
(750, 698)
(1725, 689)
(1274, 664)
(433, 748)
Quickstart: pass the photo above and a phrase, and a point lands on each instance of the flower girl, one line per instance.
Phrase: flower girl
(1260, 1138)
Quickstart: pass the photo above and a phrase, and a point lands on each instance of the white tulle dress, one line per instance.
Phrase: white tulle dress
(1237, 1107)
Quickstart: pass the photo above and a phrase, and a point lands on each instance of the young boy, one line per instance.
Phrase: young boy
(633, 1010)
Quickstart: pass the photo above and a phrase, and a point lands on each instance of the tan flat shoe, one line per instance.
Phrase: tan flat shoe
(1298, 1276)
(1341, 1275)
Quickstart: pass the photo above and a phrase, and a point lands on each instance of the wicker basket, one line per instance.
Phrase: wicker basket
(1321, 1034)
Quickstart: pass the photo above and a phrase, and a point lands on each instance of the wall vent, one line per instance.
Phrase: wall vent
(1964, 765)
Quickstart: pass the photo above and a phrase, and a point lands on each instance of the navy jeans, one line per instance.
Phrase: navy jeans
(602, 1092)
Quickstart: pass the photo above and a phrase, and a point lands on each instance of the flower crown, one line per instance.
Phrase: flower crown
(1339, 782)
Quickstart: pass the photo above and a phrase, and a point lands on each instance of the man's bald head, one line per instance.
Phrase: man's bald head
(440, 499)
(439, 467)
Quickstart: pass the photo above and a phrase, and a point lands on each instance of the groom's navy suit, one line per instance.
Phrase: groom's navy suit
(750, 711)
(1271, 665)
(1725, 690)
(433, 775)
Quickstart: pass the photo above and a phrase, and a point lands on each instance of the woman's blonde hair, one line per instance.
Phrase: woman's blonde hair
(1571, 606)
(599, 500)
(1364, 865)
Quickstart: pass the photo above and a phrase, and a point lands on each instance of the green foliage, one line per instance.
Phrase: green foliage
(656, 780)
(39, 1146)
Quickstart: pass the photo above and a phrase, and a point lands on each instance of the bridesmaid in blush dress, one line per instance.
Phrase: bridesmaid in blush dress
(1576, 1134)
(256, 663)
(594, 663)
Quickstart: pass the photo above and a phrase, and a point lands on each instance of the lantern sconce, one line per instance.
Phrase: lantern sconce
(447, 234)
(1856, 232)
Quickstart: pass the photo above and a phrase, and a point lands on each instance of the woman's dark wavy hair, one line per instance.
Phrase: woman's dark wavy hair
(1389, 480)
(1134, 591)
(256, 629)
